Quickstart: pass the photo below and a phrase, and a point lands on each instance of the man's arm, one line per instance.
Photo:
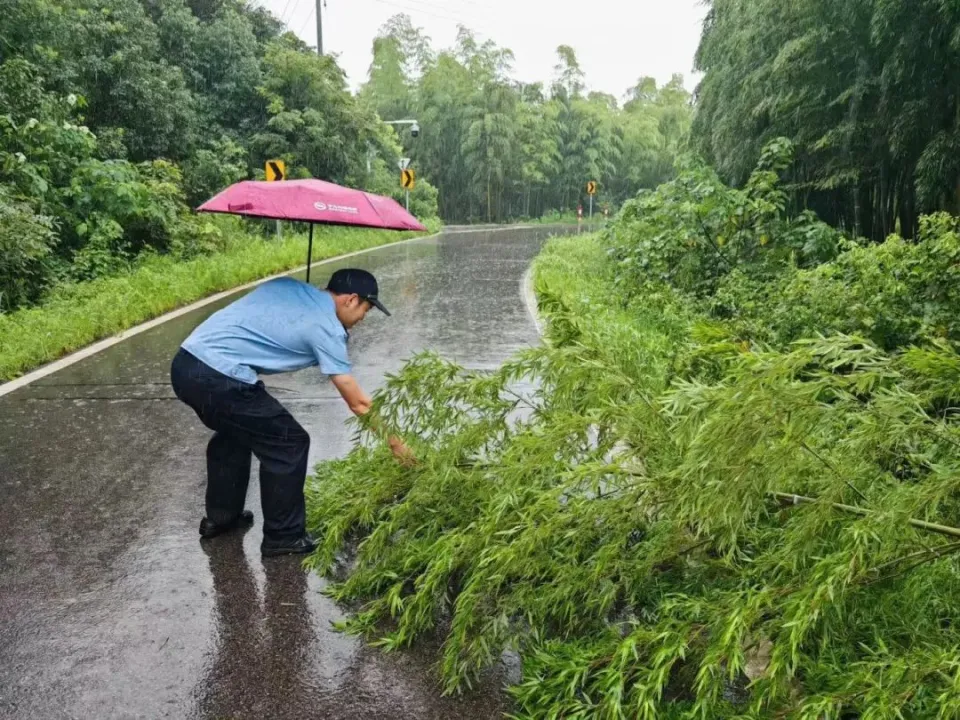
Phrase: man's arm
(359, 403)
(357, 400)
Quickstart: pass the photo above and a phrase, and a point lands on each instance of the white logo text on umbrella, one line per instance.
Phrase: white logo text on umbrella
(335, 208)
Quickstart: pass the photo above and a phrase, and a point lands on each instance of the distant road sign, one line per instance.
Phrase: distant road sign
(403, 163)
(276, 170)
(408, 179)
(591, 188)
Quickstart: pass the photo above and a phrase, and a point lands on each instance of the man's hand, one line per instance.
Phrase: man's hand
(401, 452)
(359, 403)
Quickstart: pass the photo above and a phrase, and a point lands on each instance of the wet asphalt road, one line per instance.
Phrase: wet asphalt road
(110, 607)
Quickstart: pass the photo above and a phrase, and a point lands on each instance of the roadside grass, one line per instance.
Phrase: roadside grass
(566, 218)
(77, 315)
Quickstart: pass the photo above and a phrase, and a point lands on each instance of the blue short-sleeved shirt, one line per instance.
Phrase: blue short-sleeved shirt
(281, 326)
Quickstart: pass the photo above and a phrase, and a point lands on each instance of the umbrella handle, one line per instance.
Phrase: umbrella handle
(309, 252)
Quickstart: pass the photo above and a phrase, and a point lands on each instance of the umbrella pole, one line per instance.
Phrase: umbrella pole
(309, 252)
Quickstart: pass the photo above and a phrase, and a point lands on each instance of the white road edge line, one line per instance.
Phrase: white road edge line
(75, 357)
(529, 295)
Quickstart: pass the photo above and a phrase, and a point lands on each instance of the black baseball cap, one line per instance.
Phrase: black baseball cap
(352, 280)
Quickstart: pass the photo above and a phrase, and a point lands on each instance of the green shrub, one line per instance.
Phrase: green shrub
(209, 170)
(26, 240)
(895, 293)
(693, 231)
(773, 277)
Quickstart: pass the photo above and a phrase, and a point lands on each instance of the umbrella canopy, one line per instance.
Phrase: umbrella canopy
(311, 201)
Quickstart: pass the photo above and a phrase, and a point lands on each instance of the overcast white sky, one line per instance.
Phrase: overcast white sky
(616, 41)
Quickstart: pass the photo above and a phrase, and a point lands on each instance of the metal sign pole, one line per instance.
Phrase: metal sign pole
(404, 165)
(274, 171)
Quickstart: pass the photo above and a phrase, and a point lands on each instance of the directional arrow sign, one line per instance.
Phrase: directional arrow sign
(591, 188)
(408, 179)
(276, 170)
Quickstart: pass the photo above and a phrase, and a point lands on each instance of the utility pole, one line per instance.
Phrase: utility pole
(319, 28)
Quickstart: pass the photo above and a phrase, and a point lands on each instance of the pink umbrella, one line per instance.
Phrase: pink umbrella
(311, 201)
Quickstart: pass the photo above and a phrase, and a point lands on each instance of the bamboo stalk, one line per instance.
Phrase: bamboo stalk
(925, 555)
(852, 509)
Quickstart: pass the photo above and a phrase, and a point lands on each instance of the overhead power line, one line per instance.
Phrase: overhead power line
(442, 16)
(444, 7)
(283, 15)
(310, 17)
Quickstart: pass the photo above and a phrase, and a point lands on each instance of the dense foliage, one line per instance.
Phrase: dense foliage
(866, 89)
(117, 116)
(766, 274)
(501, 149)
(725, 487)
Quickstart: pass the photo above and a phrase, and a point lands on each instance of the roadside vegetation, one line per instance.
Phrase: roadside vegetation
(568, 218)
(724, 487)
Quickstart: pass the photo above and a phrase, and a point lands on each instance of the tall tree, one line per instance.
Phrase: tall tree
(498, 148)
(867, 90)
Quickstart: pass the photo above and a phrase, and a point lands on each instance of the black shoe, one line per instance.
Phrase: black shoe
(303, 545)
(210, 529)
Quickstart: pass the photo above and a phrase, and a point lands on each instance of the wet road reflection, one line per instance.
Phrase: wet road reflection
(109, 605)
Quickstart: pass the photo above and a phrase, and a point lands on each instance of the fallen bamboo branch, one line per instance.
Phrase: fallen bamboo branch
(852, 509)
(925, 556)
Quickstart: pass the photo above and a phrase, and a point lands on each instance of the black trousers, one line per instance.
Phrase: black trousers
(246, 420)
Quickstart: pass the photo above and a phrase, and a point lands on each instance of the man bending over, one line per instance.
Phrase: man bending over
(281, 326)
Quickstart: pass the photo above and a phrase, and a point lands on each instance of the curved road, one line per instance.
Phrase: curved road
(109, 605)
